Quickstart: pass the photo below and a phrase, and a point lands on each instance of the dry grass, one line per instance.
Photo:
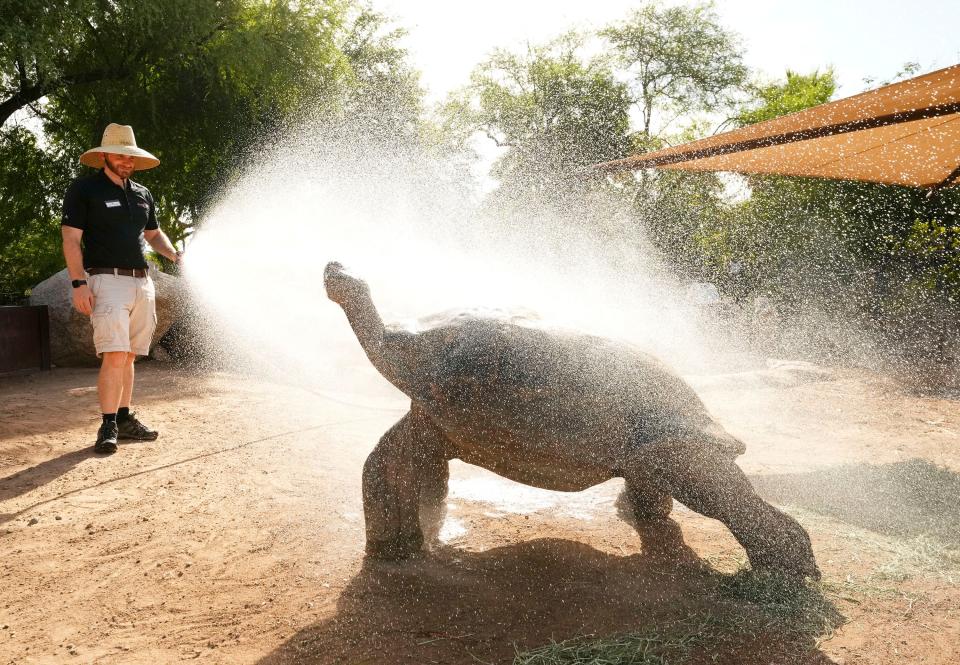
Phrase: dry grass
(670, 644)
(749, 607)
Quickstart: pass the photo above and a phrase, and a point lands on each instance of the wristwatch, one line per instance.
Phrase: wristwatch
(78, 283)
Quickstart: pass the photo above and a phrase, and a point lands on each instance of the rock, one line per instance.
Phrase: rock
(71, 335)
(33, 520)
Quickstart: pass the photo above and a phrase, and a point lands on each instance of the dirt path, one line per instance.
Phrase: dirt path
(238, 536)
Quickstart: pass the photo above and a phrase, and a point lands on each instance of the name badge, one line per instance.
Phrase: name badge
(112, 204)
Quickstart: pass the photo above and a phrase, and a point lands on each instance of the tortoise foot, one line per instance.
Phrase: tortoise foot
(395, 549)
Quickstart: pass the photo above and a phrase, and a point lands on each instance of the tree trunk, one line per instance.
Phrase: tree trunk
(17, 101)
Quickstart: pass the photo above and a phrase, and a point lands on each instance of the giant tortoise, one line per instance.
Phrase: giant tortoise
(555, 410)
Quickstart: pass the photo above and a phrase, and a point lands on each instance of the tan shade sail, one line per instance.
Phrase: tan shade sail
(906, 133)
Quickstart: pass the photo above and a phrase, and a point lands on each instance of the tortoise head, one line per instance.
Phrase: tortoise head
(341, 286)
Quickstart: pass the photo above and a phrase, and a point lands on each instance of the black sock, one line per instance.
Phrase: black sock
(109, 417)
(123, 413)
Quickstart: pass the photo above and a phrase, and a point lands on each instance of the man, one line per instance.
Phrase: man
(105, 216)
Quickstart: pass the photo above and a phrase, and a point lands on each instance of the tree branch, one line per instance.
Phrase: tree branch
(18, 100)
(493, 138)
(28, 95)
(22, 71)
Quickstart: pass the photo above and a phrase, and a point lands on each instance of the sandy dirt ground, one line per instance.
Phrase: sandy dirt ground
(237, 537)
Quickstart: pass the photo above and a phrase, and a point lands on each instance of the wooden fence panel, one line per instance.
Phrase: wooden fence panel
(24, 338)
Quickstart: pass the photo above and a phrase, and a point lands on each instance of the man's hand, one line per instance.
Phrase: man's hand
(161, 244)
(83, 300)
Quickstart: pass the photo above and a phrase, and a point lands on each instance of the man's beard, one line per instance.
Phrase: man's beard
(119, 171)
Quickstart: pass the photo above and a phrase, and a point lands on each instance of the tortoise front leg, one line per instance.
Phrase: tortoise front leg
(405, 469)
(705, 480)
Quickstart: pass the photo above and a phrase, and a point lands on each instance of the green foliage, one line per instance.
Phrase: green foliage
(907, 70)
(784, 236)
(552, 110)
(678, 60)
(206, 87)
(934, 250)
(800, 91)
(31, 188)
(874, 243)
(677, 57)
(236, 72)
(885, 254)
(679, 209)
(49, 48)
(385, 95)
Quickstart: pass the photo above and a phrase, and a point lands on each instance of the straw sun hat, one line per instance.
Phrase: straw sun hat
(119, 140)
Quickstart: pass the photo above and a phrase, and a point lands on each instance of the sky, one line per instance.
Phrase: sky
(859, 38)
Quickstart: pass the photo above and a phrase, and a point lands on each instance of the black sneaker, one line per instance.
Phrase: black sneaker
(106, 438)
(131, 428)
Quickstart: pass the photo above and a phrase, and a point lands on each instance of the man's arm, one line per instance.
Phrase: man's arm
(161, 244)
(83, 299)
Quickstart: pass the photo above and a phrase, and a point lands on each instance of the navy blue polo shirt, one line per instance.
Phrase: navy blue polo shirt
(113, 219)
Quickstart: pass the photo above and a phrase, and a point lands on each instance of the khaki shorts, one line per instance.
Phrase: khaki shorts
(124, 314)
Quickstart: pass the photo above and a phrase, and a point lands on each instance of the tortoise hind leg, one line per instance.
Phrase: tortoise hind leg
(644, 498)
(705, 480)
(645, 504)
(405, 471)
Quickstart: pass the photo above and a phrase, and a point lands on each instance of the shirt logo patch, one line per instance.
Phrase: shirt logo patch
(112, 204)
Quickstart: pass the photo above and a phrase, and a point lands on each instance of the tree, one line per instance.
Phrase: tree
(203, 109)
(29, 215)
(682, 61)
(785, 235)
(678, 57)
(884, 255)
(797, 92)
(385, 97)
(551, 111)
(205, 85)
(47, 49)
(794, 231)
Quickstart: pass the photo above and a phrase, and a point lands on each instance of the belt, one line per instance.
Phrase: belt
(126, 272)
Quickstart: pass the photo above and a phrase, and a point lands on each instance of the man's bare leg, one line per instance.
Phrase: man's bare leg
(110, 383)
(126, 396)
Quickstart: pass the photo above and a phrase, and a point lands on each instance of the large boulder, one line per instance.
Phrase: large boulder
(71, 335)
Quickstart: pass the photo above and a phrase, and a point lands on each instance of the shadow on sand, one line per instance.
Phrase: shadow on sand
(66, 398)
(29, 479)
(905, 499)
(38, 475)
(456, 606)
